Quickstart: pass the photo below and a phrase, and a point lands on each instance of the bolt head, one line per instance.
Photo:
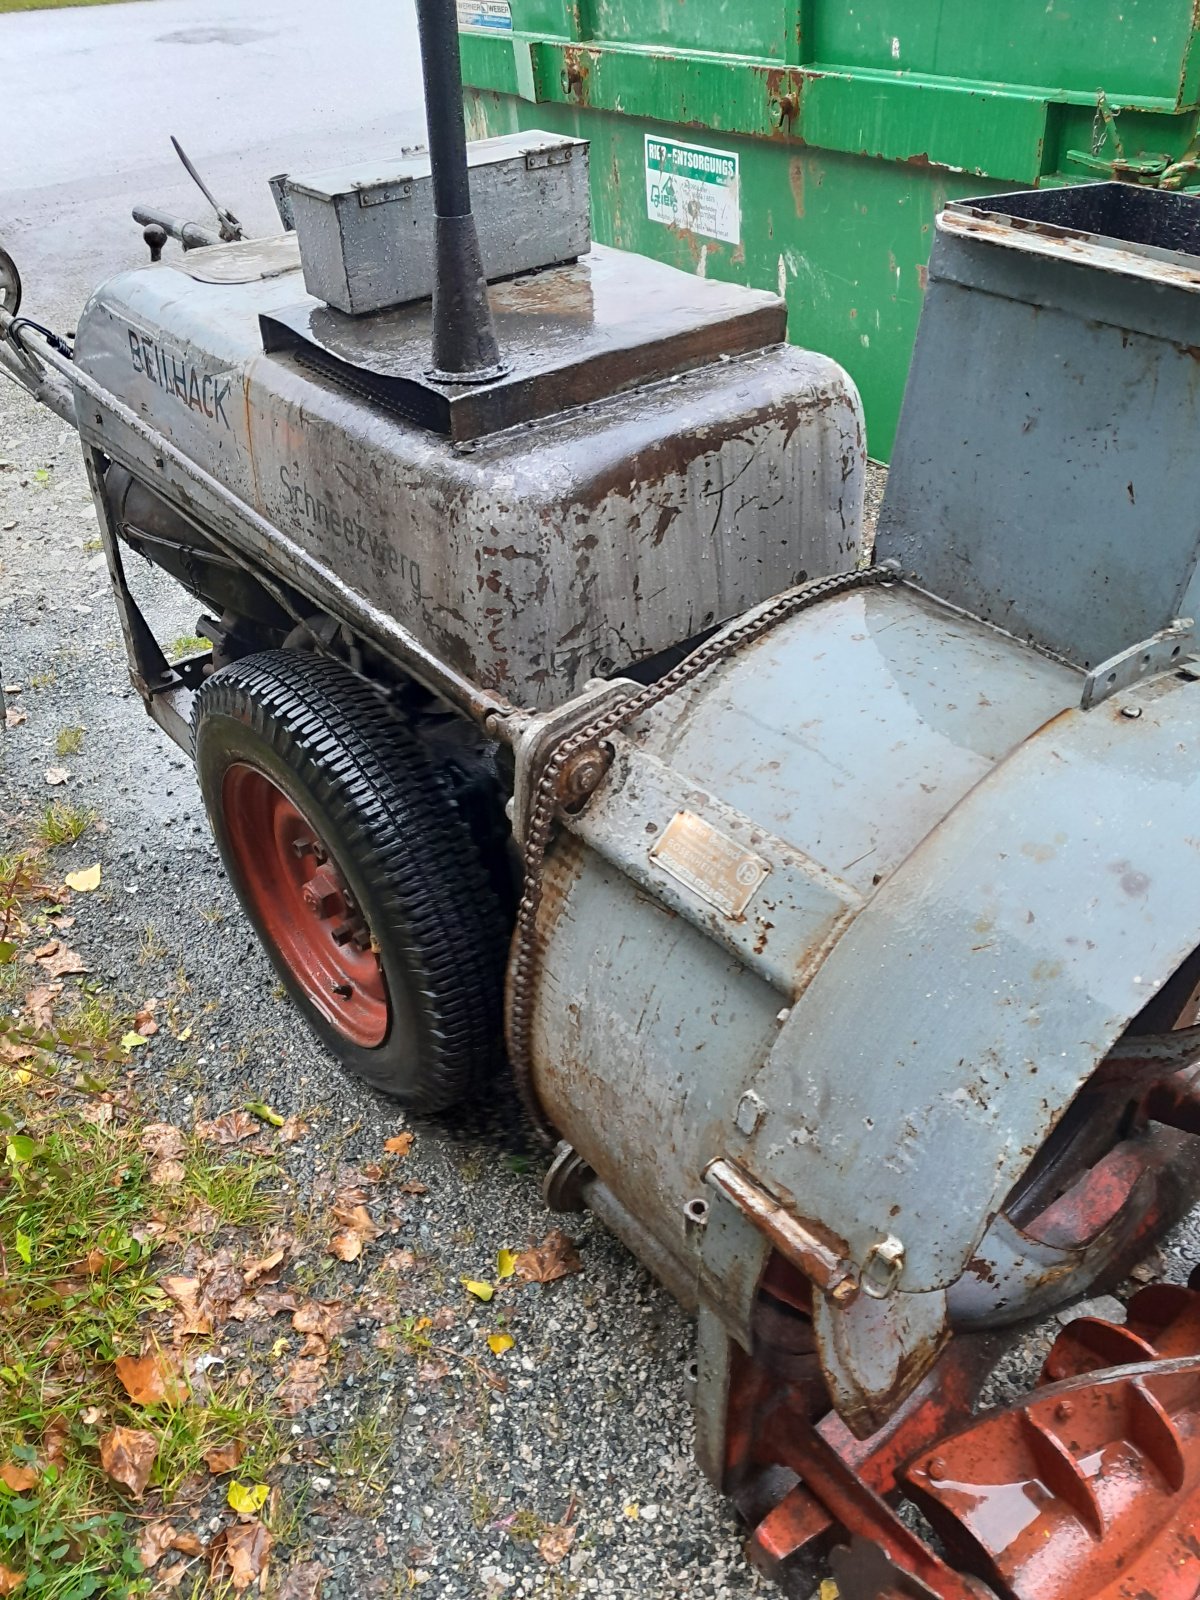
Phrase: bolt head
(749, 1113)
(937, 1468)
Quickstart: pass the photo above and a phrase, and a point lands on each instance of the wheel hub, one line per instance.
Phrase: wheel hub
(306, 905)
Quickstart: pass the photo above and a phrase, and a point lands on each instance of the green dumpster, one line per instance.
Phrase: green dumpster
(807, 145)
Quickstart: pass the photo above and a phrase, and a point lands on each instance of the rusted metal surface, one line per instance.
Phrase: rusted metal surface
(531, 562)
(819, 1258)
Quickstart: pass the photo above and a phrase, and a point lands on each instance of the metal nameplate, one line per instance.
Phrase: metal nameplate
(709, 863)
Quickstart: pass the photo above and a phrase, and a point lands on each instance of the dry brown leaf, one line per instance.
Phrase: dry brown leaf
(56, 776)
(294, 1129)
(17, 1477)
(13, 1054)
(554, 1258)
(14, 718)
(144, 1023)
(398, 1261)
(399, 1144)
(10, 1581)
(58, 961)
(301, 1388)
(261, 1307)
(39, 1004)
(326, 1318)
(231, 1127)
(163, 1140)
(127, 1456)
(98, 1112)
(358, 1219)
(61, 923)
(555, 1543)
(445, 1317)
(156, 1540)
(187, 1544)
(149, 1379)
(225, 1457)
(242, 1554)
(346, 1246)
(171, 1578)
(303, 1582)
(266, 1270)
(433, 1370)
(55, 1437)
(315, 1349)
(168, 1174)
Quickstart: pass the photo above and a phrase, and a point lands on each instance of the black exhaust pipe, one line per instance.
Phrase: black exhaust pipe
(465, 349)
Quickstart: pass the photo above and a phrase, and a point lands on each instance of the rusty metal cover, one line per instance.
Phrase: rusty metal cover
(571, 335)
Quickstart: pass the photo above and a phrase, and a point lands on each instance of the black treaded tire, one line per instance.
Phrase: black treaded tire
(389, 823)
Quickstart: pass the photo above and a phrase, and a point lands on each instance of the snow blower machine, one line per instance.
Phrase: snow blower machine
(836, 910)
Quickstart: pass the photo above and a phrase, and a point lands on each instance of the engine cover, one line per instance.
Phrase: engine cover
(654, 461)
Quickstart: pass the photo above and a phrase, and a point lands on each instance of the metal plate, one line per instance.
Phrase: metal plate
(247, 262)
(709, 863)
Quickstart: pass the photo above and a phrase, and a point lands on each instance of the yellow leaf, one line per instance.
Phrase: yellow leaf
(281, 1344)
(132, 1041)
(828, 1590)
(85, 880)
(498, 1343)
(247, 1498)
(481, 1291)
(420, 1325)
(185, 1035)
(632, 1510)
(506, 1263)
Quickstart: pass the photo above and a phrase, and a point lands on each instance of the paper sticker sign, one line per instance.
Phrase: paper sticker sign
(691, 187)
(495, 15)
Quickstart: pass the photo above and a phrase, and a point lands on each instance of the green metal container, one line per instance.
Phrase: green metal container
(807, 145)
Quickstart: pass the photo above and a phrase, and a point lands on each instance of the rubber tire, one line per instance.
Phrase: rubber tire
(360, 776)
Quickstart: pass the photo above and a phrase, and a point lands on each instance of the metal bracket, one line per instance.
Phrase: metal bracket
(1163, 651)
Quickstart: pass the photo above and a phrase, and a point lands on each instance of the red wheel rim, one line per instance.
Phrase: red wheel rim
(305, 906)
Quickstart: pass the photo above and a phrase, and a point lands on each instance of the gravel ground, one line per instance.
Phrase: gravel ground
(594, 1419)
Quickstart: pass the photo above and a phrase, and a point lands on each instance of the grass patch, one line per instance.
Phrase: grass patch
(69, 742)
(187, 644)
(63, 822)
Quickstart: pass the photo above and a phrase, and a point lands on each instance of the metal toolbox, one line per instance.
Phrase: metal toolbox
(366, 231)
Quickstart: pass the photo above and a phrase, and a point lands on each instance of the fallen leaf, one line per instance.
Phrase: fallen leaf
(150, 1379)
(171, 1578)
(10, 1581)
(56, 776)
(498, 1343)
(61, 922)
(55, 1438)
(399, 1144)
(346, 1246)
(398, 1261)
(168, 1174)
(554, 1258)
(39, 1004)
(13, 1054)
(156, 1540)
(481, 1291)
(242, 1553)
(433, 1370)
(265, 1270)
(265, 1113)
(293, 1129)
(127, 1456)
(315, 1349)
(98, 1112)
(162, 1139)
(555, 1543)
(303, 1582)
(506, 1263)
(225, 1457)
(302, 1387)
(231, 1127)
(132, 1041)
(145, 1024)
(247, 1498)
(358, 1219)
(188, 1544)
(325, 1318)
(14, 718)
(17, 1477)
(85, 880)
(414, 1188)
(58, 961)
(261, 1307)
(445, 1317)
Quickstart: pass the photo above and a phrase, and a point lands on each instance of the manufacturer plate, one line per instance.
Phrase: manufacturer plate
(710, 863)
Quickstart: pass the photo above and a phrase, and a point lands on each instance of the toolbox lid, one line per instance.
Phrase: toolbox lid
(386, 178)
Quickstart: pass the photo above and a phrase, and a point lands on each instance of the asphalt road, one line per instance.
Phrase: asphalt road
(89, 98)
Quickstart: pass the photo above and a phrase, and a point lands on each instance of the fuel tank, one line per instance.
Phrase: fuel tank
(655, 460)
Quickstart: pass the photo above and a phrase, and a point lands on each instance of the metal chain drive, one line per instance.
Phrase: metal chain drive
(522, 969)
